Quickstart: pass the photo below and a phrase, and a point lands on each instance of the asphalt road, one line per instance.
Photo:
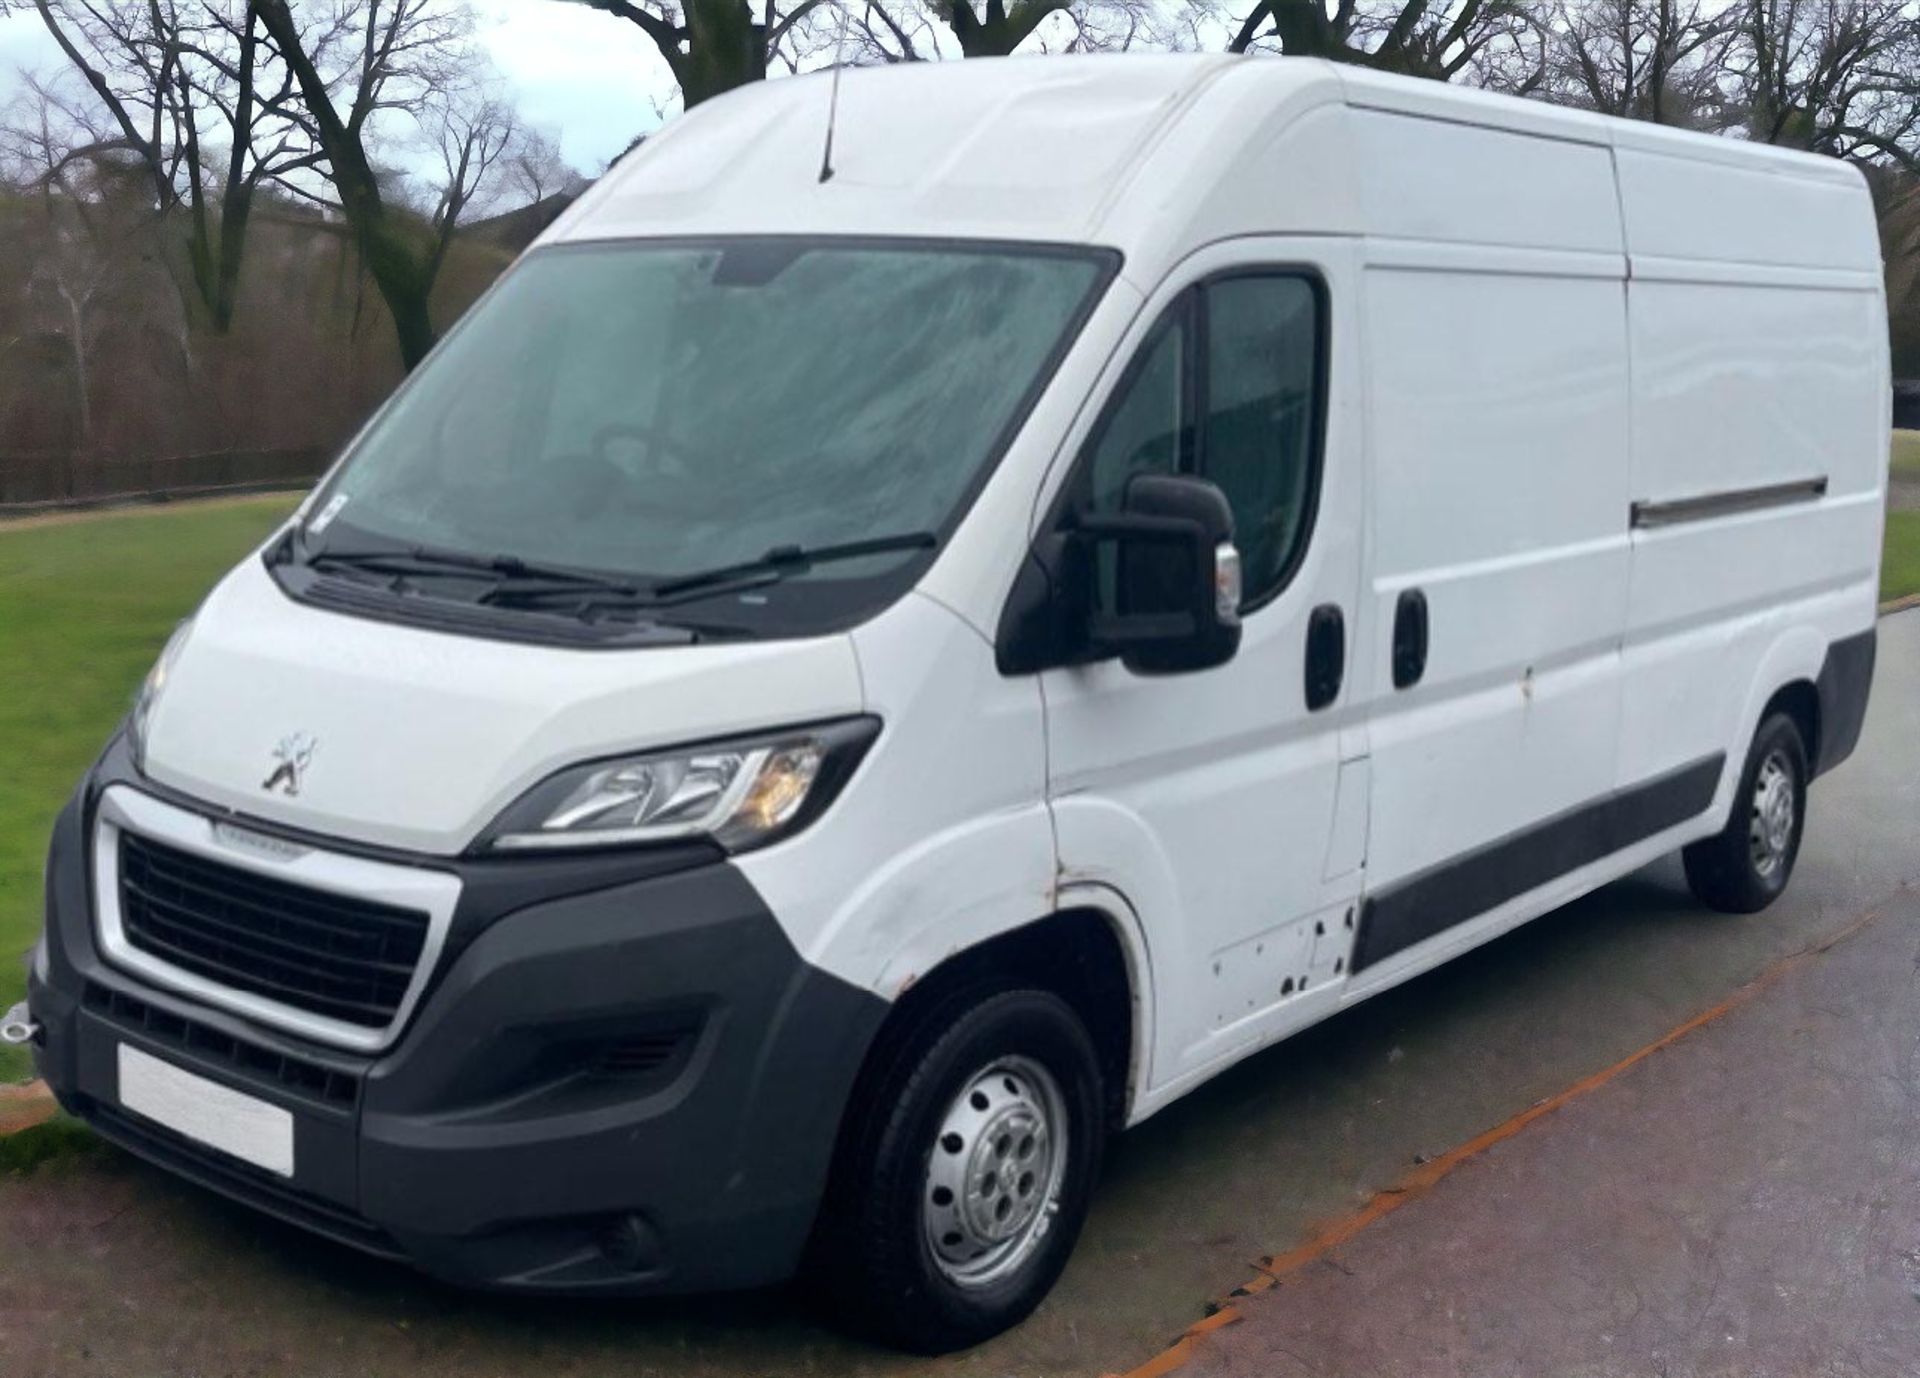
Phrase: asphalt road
(1743, 1200)
(107, 1267)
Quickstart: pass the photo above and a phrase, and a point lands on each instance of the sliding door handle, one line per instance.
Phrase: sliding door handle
(1326, 655)
(1409, 638)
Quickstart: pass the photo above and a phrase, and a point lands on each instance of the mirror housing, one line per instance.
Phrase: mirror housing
(1175, 576)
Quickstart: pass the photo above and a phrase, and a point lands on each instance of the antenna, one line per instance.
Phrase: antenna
(833, 100)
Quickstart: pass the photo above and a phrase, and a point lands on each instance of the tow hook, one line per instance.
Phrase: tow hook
(18, 1026)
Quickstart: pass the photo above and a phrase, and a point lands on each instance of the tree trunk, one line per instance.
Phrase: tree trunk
(395, 262)
(1003, 30)
(236, 200)
(725, 49)
(1302, 27)
(77, 341)
(236, 209)
(412, 322)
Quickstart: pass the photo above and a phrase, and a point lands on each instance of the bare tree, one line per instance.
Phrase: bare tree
(1657, 60)
(81, 225)
(166, 84)
(1896, 195)
(887, 31)
(69, 274)
(472, 132)
(997, 28)
(350, 62)
(1413, 37)
(1834, 76)
(230, 69)
(1119, 26)
(711, 46)
(536, 168)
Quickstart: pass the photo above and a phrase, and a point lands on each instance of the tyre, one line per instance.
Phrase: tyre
(964, 1170)
(1744, 867)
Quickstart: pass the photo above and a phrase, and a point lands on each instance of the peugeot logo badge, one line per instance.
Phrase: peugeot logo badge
(291, 758)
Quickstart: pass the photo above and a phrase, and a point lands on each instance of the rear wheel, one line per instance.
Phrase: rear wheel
(1744, 867)
(965, 1170)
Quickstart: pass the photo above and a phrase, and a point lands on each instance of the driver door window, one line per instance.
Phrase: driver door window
(1229, 387)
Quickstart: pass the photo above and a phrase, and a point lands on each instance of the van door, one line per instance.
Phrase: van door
(1498, 574)
(1209, 799)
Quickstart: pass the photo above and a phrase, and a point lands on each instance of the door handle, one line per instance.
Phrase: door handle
(1326, 655)
(1409, 638)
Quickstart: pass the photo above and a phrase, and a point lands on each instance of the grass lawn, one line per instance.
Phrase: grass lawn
(85, 605)
(1906, 453)
(1900, 560)
(1900, 566)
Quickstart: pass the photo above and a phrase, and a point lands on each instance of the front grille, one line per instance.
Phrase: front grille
(348, 959)
(299, 1075)
(644, 1053)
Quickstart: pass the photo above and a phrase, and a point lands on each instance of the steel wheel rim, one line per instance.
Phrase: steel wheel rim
(994, 1172)
(1774, 812)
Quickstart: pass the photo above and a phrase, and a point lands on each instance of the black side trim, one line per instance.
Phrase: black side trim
(1454, 891)
(1723, 504)
(1845, 676)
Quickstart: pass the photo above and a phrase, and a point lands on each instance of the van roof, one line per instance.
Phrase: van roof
(1065, 149)
(1015, 148)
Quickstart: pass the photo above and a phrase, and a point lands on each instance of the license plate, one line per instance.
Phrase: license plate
(218, 1116)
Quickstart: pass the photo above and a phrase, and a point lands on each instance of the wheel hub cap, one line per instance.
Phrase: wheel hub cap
(1770, 834)
(995, 1171)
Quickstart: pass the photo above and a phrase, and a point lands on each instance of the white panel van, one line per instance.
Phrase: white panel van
(845, 681)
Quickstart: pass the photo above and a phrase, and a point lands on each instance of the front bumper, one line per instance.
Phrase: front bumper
(512, 1137)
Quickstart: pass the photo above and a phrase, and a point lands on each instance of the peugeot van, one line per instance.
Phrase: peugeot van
(857, 672)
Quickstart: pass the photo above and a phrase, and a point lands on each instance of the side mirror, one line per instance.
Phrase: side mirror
(1173, 581)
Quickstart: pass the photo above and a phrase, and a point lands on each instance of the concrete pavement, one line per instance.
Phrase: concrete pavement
(109, 1267)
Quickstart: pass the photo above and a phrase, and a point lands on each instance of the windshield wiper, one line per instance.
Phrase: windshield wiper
(785, 560)
(508, 572)
(516, 583)
(777, 564)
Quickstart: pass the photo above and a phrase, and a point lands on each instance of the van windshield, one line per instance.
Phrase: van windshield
(660, 411)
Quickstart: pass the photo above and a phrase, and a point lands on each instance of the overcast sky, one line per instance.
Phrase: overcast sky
(591, 79)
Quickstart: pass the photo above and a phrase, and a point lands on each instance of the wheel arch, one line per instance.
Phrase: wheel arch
(1785, 678)
(1089, 952)
(1800, 700)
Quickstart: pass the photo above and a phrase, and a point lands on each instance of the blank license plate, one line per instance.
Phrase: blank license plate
(218, 1116)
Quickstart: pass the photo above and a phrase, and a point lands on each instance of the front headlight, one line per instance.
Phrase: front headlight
(149, 696)
(742, 793)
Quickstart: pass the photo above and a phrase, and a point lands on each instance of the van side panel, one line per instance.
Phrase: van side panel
(1499, 443)
(1497, 404)
(1438, 181)
(1760, 420)
(1726, 203)
(943, 839)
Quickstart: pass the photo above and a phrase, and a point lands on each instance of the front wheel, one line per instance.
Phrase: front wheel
(1744, 867)
(965, 1170)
